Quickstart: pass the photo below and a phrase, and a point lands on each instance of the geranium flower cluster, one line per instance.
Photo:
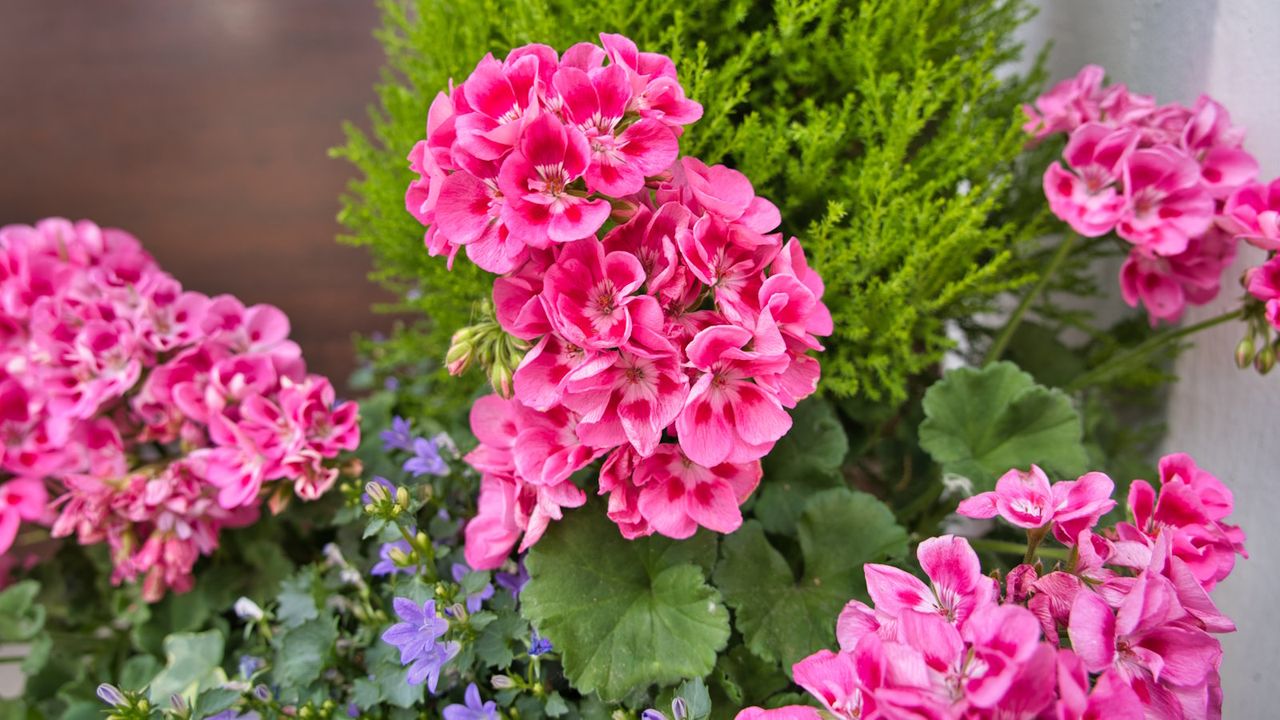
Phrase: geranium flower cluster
(155, 416)
(1168, 179)
(669, 324)
(1123, 629)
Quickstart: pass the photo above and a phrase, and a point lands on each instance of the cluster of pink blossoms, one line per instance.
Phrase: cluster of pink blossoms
(1123, 629)
(1171, 180)
(152, 415)
(670, 324)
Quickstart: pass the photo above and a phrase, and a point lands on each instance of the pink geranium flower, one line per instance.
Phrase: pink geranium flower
(541, 206)
(1066, 106)
(1148, 642)
(1253, 212)
(493, 532)
(588, 295)
(957, 586)
(596, 104)
(1165, 202)
(1088, 199)
(21, 500)
(677, 495)
(1166, 285)
(728, 417)
(1191, 505)
(626, 396)
(499, 96)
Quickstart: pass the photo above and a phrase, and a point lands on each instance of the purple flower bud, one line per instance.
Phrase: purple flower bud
(111, 695)
(652, 714)
(679, 709)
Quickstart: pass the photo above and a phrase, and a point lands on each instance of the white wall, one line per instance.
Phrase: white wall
(1223, 417)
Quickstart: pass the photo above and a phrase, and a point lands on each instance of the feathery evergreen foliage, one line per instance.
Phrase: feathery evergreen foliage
(880, 128)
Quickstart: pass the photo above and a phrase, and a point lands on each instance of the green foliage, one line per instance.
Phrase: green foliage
(879, 128)
(784, 618)
(624, 614)
(192, 665)
(981, 423)
(807, 459)
(20, 616)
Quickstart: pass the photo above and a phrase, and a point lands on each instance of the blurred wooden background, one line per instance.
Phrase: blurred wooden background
(202, 128)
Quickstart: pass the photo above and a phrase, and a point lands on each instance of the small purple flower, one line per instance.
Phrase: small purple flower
(250, 665)
(538, 645)
(416, 637)
(353, 710)
(233, 715)
(513, 582)
(397, 437)
(426, 459)
(387, 566)
(391, 384)
(474, 709)
(391, 489)
(474, 600)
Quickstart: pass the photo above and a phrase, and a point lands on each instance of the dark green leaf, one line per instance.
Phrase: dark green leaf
(21, 617)
(805, 461)
(783, 619)
(980, 423)
(297, 599)
(624, 614)
(304, 651)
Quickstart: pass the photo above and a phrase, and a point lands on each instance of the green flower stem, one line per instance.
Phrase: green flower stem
(1034, 538)
(1150, 345)
(425, 551)
(1005, 547)
(1006, 334)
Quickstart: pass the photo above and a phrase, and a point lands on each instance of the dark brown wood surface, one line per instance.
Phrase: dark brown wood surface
(201, 126)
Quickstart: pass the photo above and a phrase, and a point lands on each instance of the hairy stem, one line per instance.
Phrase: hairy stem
(1150, 345)
(1005, 547)
(1006, 334)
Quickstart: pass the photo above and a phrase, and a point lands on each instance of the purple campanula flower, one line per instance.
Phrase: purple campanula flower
(426, 459)
(474, 600)
(397, 437)
(417, 637)
(474, 709)
(513, 582)
(538, 645)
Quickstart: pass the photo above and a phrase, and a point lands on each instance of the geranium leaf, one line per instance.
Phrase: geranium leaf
(624, 614)
(979, 423)
(192, 664)
(783, 618)
(805, 461)
(21, 617)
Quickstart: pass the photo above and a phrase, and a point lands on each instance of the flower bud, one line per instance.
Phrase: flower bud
(177, 702)
(679, 709)
(502, 682)
(1265, 360)
(500, 377)
(262, 693)
(377, 493)
(652, 714)
(1244, 353)
(111, 695)
(461, 351)
(402, 497)
(352, 468)
(247, 609)
(400, 557)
